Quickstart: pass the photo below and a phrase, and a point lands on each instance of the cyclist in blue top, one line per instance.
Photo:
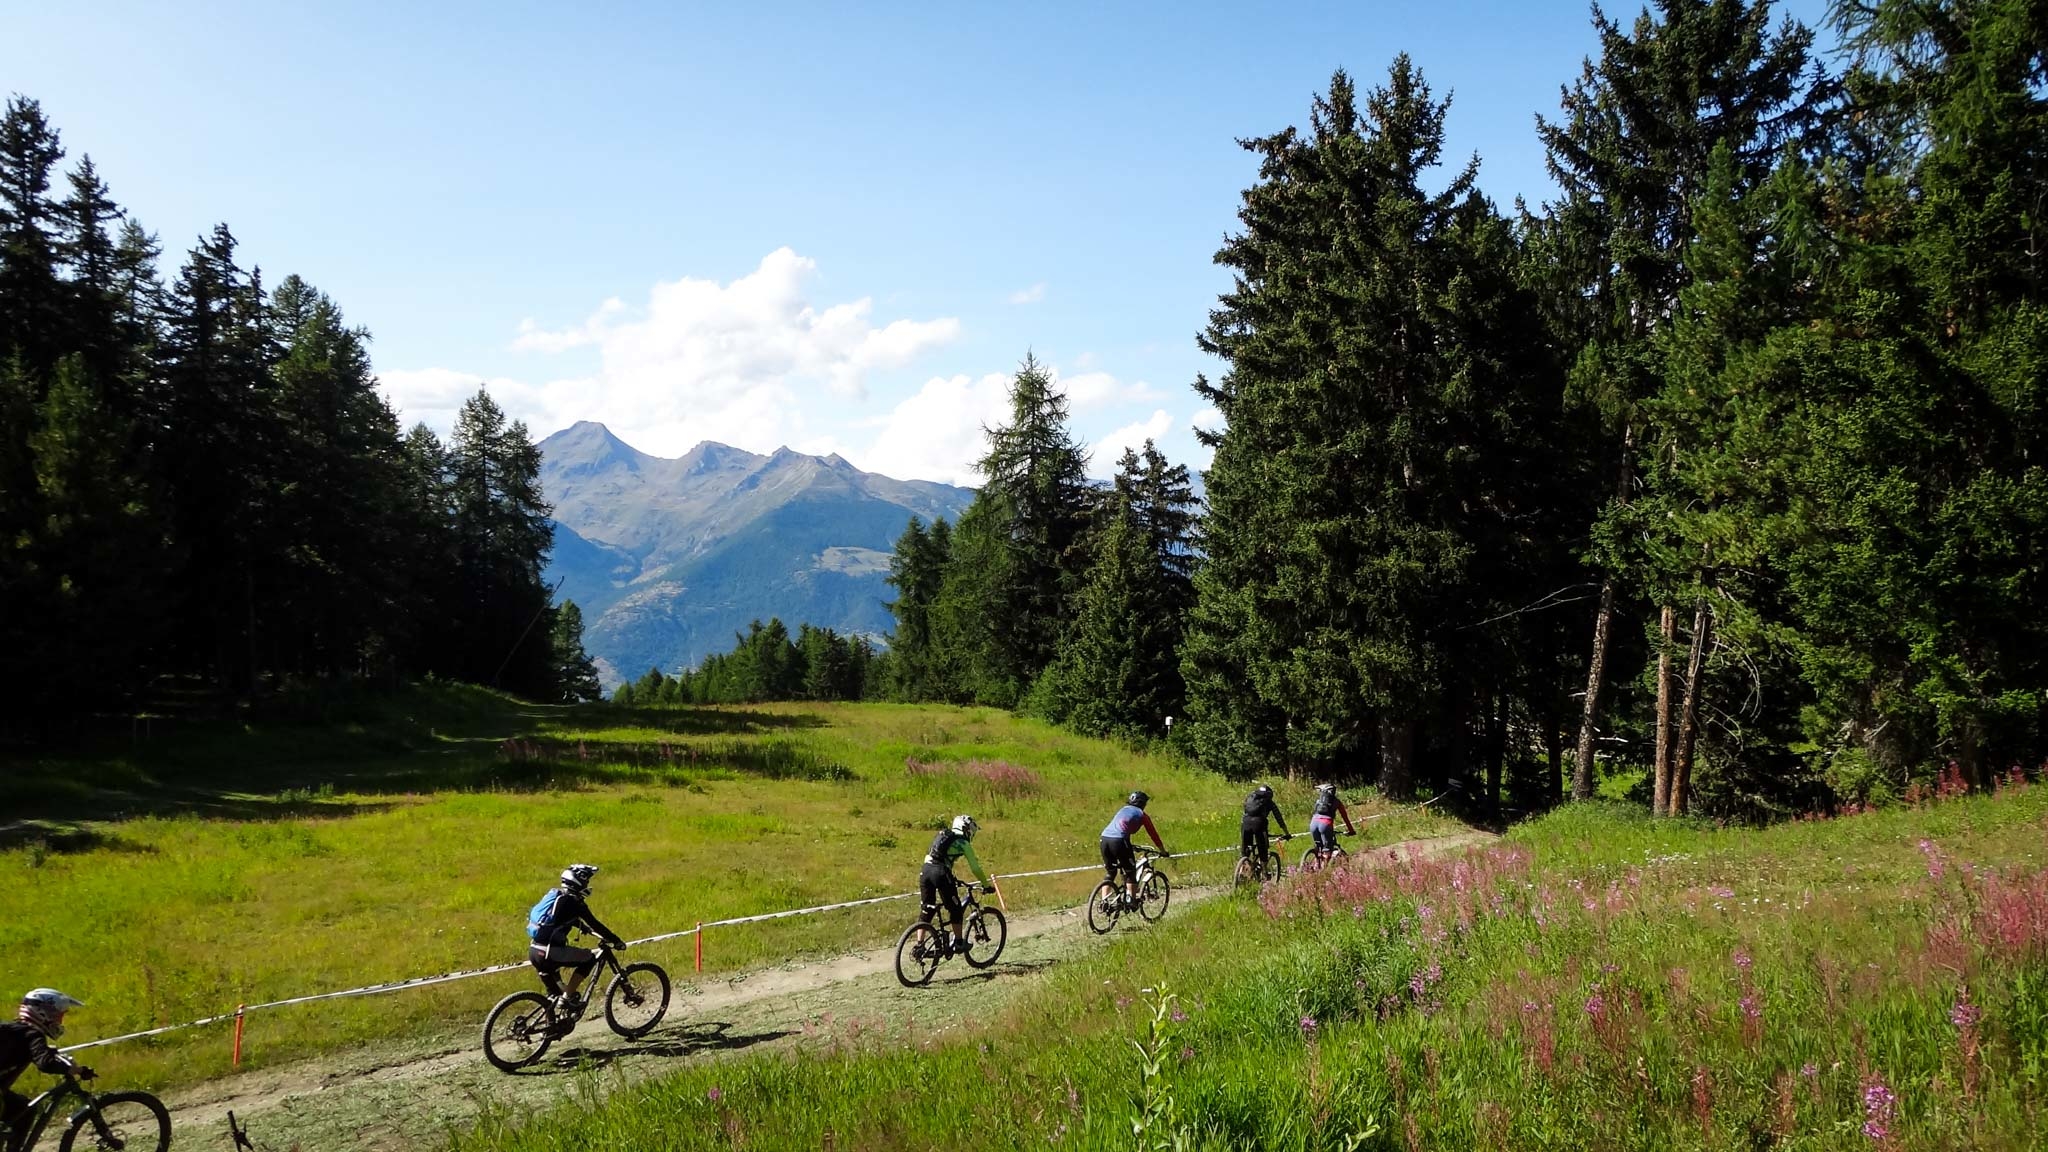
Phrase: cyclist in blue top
(1116, 842)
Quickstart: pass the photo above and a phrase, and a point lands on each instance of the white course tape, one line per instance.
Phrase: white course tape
(471, 973)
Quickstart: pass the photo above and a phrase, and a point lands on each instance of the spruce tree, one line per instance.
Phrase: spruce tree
(575, 675)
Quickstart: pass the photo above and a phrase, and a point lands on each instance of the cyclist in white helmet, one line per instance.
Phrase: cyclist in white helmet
(936, 881)
(25, 1044)
(561, 910)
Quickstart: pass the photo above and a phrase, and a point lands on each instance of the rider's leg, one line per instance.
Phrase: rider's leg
(13, 1106)
(1127, 862)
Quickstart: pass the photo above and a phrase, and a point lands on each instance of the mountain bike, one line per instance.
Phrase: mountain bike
(1318, 858)
(135, 1121)
(1249, 872)
(1108, 903)
(519, 1030)
(923, 946)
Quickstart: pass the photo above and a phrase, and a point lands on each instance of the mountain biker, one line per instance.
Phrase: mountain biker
(1322, 825)
(25, 1042)
(1116, 842)
(936, 878)
(550, 924)
(1252, 843)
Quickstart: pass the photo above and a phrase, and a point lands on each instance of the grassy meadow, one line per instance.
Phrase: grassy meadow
(1593, 980)
(173, 877)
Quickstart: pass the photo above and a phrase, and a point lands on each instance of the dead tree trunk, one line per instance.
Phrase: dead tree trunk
(1688, 720)
(1603, 630)
(1397, 747)
(1660, 782)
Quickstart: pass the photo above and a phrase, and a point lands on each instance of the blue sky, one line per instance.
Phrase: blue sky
(764, 224)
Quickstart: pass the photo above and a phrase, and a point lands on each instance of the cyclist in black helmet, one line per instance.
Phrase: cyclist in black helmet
(1252, 842)
(563, 910)
(1116, 842)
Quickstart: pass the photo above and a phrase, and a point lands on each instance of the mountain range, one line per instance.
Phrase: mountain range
(668, 558)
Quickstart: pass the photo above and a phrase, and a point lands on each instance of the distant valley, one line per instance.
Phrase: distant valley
(669, 558)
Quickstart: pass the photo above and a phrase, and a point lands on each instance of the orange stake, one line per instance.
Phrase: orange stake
(238, 1034)
(700, 945)
(1004, 904)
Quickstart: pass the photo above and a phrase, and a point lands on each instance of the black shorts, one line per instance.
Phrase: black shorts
(548, 959)
(936, 887)
(1118, 853)
(1253, 840)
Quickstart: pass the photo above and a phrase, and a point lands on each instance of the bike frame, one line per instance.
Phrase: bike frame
(39, 1111)
(607, 961)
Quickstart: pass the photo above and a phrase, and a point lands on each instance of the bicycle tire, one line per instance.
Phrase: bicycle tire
(1153, 897)
(1273, 869)
(1241, 876)
(531, 1027)
(1102, 915)
(636, 986)
(131, 1131)
(980, 935)
(924, 949)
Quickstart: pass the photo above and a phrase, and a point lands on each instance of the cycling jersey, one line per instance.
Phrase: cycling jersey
(1257, 809)
(949, 846)
(23, 1045)
(573, 912)
(1129, 819)
(1327, 803)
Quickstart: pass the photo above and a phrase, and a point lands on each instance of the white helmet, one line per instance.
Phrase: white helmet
(44, 1009)
(576, 878)
(964, 825)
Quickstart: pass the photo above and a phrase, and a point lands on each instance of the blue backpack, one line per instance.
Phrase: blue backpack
(541, 919)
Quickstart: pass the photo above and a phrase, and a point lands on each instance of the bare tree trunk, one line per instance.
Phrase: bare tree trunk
(1553, 744)
(1496, 751)
(1660, 784)
(1596, 675)
(1603, 630)
(1688, 720)
(1397, 747)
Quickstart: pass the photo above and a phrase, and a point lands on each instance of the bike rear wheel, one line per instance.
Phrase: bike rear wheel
(986, 934)
(918, 955)
(1242, 875)
(636, 1000)
(1153, 896)
(1103, 909)
(519, 1030)
(134, 1121)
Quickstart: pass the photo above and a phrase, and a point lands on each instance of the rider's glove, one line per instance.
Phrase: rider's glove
(618, 945)
(82, 1072)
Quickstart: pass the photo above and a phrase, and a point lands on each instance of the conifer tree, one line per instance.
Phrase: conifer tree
(575, 675)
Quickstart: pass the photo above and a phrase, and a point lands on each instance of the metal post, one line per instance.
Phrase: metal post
(700, 945)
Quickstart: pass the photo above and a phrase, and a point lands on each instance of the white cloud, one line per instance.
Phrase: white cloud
(1091, 390)
(1031, 295)
(936, 434)
(1102, 457)
(434, 395)
(701, 361)
(1207, 420)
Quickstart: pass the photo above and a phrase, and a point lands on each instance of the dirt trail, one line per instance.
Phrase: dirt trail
(411, 1094)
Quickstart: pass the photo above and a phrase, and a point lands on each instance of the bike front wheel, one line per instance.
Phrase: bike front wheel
(518, 1031)
(134, 1121)
(1104, 907)
(636, 1000)
(1153, 896)
(918, 955)
(986, 935)
(1272, 866)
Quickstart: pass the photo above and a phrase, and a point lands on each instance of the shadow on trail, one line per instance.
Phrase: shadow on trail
(693, 1039)
(999, 969)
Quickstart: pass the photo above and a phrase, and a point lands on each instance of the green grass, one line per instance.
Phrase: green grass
(172, 879)
(1595, 980)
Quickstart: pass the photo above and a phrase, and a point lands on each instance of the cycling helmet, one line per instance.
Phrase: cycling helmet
(1263, 791)
(964, 825)
(43, 1009)
(576, 878)
(1137, 799)
(1326, 787)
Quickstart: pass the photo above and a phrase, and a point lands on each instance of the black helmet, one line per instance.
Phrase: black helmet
(1137, 799)
(1263, 791)
(576, 879)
